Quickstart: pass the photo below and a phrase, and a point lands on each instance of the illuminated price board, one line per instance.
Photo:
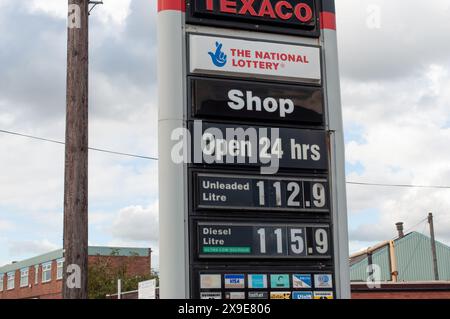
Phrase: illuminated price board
(244, 240)
(237, 192)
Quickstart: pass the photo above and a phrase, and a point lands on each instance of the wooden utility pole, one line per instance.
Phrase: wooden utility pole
(76, 157)
(433, 247)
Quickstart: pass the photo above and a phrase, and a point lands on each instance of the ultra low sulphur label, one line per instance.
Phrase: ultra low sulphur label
(217, 55)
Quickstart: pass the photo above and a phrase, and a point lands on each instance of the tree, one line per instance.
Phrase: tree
(103, 275)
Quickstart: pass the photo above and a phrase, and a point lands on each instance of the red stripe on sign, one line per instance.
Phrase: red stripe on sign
(328, 20)
(176, 5)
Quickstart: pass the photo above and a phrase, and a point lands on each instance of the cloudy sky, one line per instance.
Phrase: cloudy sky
(395, 73)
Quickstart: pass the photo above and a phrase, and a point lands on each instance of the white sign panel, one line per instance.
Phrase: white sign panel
(147, 289)
(257, 59)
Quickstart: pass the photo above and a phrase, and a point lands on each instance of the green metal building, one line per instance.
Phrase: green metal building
(405, 259)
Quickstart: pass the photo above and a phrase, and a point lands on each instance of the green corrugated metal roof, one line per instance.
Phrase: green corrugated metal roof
(92, 251)
(32, 261)
(414, 260)
(358, 271)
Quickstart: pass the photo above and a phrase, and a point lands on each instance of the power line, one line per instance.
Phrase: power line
(91, 148)
(399, 185)
(411, 228)
(32, 137)
(414, 226)
(156, 159)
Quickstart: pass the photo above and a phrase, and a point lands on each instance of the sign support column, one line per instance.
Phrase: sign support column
(172, 184)
(337, 147)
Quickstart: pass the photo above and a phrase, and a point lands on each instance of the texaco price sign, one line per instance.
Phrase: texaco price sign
(251, 171)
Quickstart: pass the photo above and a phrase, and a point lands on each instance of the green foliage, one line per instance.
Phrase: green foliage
(103, 276)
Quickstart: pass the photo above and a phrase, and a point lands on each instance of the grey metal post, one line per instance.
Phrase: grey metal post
(173, 261)
(337, 159)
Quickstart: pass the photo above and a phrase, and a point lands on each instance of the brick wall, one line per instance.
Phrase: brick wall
(49, 290)
(53, 289)
(402, 295)
(403, 290)
(137, 266)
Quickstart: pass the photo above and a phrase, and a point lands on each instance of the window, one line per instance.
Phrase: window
(11, 278)
(59, 269)
(47, 272)
(36, 274)
(1, 282)
(24, 277)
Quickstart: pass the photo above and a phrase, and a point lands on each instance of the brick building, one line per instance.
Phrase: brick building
(41, 277)
(403, 290)
(403, 268)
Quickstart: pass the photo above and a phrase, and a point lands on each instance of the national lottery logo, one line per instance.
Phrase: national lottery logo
(218, 57)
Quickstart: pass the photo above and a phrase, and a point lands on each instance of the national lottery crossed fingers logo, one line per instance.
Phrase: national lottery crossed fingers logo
(218, 57)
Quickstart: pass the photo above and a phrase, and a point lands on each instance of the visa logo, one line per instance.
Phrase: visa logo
(235, 281)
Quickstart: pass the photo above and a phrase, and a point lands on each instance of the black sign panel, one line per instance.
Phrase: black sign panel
(228, 192)
(242, 240)
(232, 99)
(299, 17)
(270, 148)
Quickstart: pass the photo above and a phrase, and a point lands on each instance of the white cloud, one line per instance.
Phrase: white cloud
(115, 179)
(410, 37)
(6, 226)
(115, 11)
(357, 246)
(405, 137)
(35, 174)
(112, 11)
(31, 247)
(98, 218)
(54, 8)
(394, 82)
(136, 223)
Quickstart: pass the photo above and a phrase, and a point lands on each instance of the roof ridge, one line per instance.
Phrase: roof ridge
(438, 243)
